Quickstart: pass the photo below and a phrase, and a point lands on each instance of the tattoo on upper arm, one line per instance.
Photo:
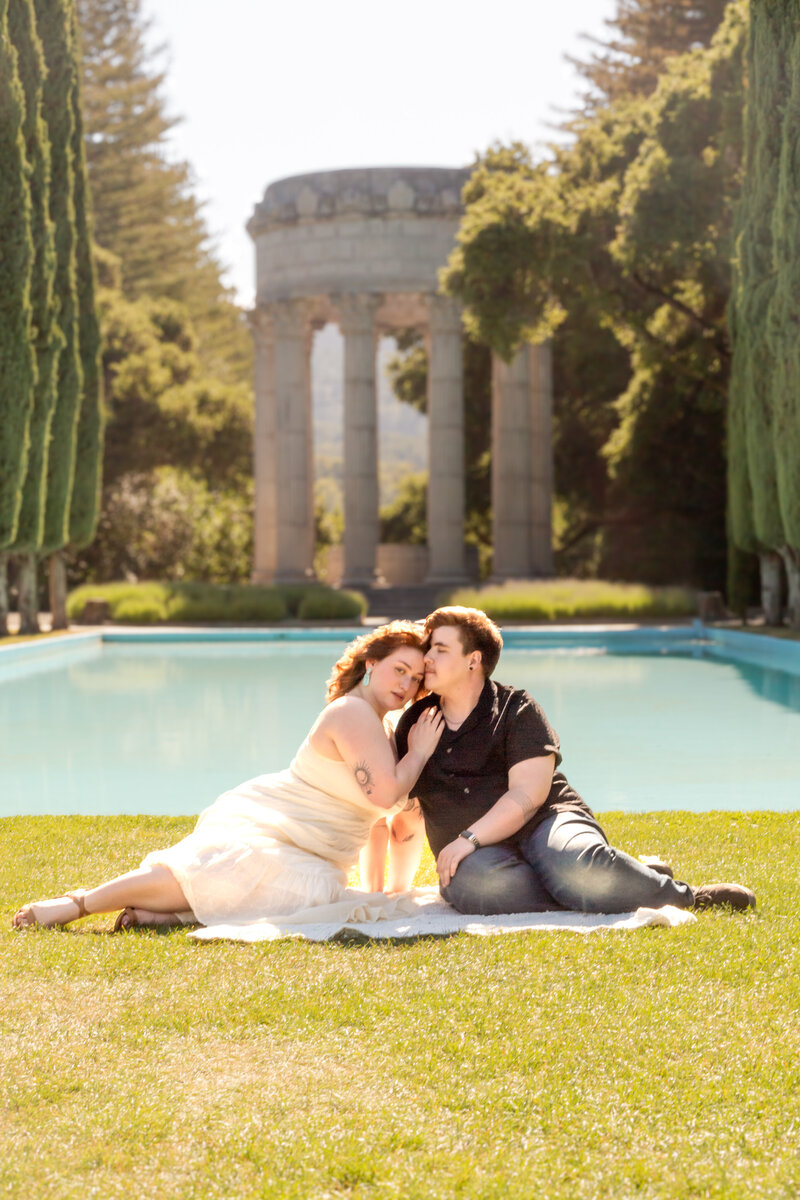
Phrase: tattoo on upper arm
(523, 801)
(364, 778)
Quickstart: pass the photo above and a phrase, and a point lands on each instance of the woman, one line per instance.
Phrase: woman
(282, 843)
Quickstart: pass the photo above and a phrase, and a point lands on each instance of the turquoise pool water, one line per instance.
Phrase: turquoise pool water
(163, 728)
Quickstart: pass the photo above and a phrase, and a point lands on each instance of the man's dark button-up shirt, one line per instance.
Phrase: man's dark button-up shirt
(468, 771)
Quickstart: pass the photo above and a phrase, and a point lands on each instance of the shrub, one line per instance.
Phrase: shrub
(257, 604)
(558, 599)
(326, 604)
(179, 602)
(167, 524)
(138, 610)
(293, 594)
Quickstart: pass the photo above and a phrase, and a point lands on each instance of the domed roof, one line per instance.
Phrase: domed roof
(371, 191)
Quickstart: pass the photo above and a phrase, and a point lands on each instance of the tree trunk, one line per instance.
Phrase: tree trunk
(3, 594)
(791, 561)
(28, 596)
(771, 580)
(58, 590)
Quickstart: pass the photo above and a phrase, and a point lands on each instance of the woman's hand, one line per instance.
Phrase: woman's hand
(424, 734)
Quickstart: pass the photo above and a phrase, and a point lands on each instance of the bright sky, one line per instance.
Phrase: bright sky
(270, 88)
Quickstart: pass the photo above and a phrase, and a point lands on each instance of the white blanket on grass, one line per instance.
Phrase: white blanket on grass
(372, 916)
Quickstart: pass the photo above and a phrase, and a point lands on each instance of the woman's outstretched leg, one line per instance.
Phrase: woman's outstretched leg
(151, 890)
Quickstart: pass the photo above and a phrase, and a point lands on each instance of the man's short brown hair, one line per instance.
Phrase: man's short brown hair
(476, 630)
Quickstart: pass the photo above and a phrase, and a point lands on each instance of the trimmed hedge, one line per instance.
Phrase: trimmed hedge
(559, 599)
(325, 604)
(178, 603)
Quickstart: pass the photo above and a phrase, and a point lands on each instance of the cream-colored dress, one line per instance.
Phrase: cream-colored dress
(275, 845)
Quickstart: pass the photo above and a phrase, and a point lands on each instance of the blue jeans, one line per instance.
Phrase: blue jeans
(565, 863)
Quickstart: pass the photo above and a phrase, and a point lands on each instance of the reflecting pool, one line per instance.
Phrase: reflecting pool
(165, 728)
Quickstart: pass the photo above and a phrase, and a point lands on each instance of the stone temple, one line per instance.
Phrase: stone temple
(363, 248)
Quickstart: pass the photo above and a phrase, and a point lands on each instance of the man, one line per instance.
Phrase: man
(508, 832)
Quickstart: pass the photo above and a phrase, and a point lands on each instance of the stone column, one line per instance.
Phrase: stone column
(357, 323)
(541, 366)
(522, 464)
(264, 460)
(446, 497)
(511, 467)
(294, 497)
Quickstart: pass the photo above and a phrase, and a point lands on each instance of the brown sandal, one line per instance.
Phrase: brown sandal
(127, 919)
(78, 898)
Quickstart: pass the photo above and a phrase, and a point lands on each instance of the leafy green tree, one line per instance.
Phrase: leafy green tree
(629, 227)
(47, 337)
(163, 409)
(145, 211)
(405, 519)
(168, 524)
(174, 435)
(17, 361)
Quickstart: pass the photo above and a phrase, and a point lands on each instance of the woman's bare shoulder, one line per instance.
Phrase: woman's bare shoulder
(347, 708)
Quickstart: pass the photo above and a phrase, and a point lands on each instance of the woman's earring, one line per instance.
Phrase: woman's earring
(365, 680)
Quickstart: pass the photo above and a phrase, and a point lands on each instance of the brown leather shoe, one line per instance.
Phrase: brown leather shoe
(656, 864)
(716, 895)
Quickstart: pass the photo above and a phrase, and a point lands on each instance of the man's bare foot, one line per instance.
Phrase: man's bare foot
(49, 913)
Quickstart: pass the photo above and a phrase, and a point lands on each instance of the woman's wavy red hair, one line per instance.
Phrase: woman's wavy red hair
(378, 643)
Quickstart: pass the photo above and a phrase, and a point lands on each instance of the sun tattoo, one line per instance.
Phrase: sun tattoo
(364, 777)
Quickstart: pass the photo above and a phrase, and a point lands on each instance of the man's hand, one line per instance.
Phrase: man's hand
(450, 857)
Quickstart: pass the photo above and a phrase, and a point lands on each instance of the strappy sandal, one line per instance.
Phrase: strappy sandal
(127, 919)
(78, 898)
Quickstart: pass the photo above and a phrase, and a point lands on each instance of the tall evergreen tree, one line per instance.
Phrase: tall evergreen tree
(46, 332)
(85, 501)
(754, 509)
(54, 23)
(145, 211)
(644, 35)
(784, 313)
(17, 361)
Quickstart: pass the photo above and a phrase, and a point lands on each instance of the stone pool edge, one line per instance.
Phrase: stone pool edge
(759, 649)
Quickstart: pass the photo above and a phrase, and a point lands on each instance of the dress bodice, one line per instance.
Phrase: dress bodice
(331, 776)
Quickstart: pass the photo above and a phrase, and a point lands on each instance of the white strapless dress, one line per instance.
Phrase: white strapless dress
(275, 845)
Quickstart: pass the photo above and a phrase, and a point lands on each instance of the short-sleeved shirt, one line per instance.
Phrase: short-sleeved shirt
(468, 771)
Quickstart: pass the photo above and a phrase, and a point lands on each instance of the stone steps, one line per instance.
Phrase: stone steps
(409, 603)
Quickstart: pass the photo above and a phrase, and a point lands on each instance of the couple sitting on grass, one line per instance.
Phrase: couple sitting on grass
(479, 761)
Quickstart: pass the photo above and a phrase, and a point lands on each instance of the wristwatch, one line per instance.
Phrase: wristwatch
(470, 836)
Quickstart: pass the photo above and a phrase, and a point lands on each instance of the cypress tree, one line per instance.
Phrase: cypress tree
(784, 315)
(47, 338)
(742, 542)
(54, 22)
(89, 450)
(751, 416)
(17, 363)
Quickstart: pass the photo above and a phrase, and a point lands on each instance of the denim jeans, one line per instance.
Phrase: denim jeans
(565, 863)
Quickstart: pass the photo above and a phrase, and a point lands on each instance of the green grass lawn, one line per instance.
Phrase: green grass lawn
(657, 1063)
